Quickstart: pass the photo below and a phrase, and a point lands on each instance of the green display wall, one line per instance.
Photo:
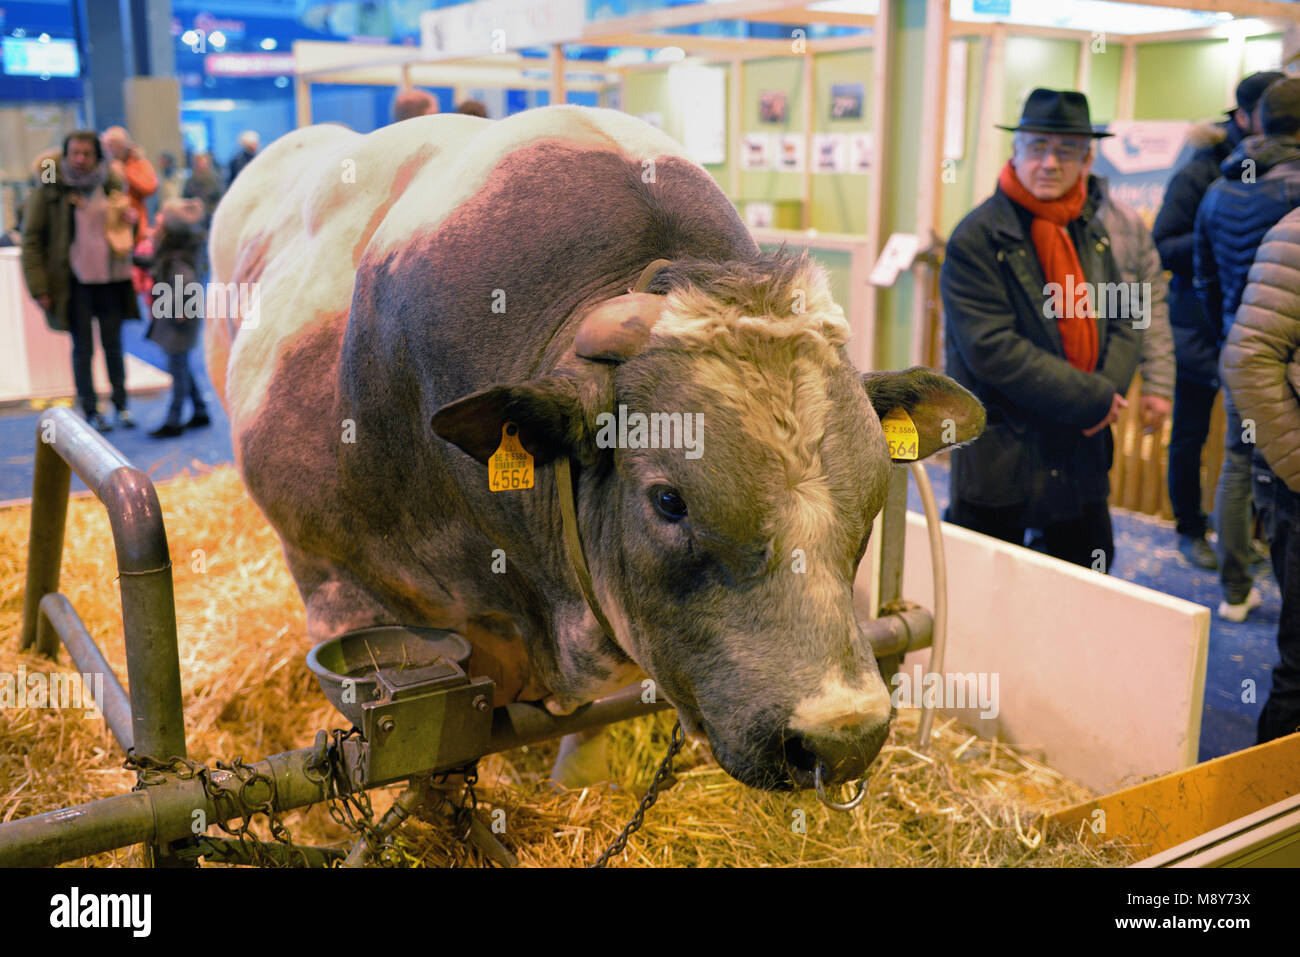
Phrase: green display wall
(1176, 80)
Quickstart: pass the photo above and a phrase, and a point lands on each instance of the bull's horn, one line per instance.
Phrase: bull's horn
(619, 328)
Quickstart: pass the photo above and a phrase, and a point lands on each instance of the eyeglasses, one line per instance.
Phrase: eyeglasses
(1064, 152)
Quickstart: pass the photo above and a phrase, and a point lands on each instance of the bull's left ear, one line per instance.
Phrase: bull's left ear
(546, 411)
(945, 414)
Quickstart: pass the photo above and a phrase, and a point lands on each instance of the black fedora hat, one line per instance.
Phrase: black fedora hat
(1062, 112)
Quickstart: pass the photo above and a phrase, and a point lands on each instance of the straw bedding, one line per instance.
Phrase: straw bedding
(963, 801)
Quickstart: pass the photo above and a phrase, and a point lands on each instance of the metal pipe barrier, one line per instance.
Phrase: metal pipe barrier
(66, 444)
(67, 624)
(163, 813)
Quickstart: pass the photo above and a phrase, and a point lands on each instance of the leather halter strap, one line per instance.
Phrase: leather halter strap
(568, 507)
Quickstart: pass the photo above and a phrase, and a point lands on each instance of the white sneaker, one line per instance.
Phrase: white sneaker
(1239, 612)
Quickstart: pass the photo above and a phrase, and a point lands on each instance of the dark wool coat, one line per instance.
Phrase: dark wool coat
(1033, 454)
(49, 227)
(1196, 338)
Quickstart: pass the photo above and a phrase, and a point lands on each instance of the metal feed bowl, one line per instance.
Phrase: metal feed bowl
(349, 667)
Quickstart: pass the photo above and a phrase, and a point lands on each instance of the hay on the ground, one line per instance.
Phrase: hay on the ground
(964, 801)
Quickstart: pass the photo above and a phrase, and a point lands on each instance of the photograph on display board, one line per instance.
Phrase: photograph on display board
(846, 101)
(790, 153)
(830, 153)
(860, 152)
(756, 151)
(772, 106)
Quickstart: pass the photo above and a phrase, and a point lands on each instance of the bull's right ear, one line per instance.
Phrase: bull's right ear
(547, 412)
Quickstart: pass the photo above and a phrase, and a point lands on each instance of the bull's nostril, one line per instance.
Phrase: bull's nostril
(798, 757)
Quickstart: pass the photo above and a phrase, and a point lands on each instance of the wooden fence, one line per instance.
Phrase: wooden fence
(1137, 477)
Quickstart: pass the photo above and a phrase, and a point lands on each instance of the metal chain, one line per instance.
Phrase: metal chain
(230, 801)
(350, 809)
(462, 814)
(677, 740)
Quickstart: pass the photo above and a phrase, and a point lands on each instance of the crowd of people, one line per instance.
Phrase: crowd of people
(100, 228)
(1034, 328)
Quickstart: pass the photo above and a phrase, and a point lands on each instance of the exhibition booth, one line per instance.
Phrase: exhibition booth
(861, 131)
(864, 133)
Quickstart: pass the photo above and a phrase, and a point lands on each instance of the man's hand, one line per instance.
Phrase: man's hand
(1155, 409)
(1117, 404)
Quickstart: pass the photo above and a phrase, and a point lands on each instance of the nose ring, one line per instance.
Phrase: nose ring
(825, 799)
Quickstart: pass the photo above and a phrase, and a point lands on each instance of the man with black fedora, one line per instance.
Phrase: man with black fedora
(1027, 332)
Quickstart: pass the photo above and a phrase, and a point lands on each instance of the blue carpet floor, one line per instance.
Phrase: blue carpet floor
(1145, 547)
(1146, 553)
(160, 458)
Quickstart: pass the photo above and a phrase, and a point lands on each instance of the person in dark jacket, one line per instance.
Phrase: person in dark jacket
(249, 143)
(204, 183)
(1260, 185)
(72, 223)
(1025, 335)
(1261, 371)
(1196, 343)
(178, 306)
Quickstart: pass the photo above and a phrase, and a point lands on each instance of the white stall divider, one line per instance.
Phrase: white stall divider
(36, 362)
(1104, 677)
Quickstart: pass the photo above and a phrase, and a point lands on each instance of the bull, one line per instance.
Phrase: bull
(423, 287)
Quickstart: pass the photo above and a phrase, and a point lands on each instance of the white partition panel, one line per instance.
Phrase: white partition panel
(1105, 677)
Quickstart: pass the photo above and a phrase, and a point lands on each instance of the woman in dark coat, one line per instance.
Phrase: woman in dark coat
(178, 304)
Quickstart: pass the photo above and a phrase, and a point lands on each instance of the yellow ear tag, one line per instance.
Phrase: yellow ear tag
(900, 435)
(510, 466)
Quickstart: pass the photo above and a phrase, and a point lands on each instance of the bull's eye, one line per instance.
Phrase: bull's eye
(668, 502)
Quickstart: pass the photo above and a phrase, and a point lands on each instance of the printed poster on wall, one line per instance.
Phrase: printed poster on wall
(771, 106)
(1139, 159)
(846, 101)
(860, 152)
(790, 156)
(756, 151)
(830, 153)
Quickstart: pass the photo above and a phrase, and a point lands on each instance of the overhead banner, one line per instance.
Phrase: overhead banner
(1139, 159)
(496, 26)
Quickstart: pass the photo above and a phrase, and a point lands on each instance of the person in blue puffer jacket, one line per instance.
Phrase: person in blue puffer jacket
(1260, 184)
(1196, 341)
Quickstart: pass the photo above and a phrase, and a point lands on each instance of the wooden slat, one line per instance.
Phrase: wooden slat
(1166, 811)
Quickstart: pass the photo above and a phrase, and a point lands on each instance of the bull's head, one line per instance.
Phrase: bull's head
(726, 567)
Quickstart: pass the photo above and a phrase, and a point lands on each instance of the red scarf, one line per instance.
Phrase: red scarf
(1059, 259)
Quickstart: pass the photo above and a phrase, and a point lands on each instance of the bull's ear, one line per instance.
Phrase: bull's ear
(945, 414)
(546, 410)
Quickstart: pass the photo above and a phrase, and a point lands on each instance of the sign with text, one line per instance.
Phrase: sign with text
(1139, 159)
(248, 64)
(495, 26)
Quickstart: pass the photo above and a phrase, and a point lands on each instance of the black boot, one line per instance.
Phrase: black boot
(98, 422)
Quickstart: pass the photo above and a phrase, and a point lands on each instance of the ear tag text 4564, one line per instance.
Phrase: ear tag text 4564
(900, 435)
(510, 467)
